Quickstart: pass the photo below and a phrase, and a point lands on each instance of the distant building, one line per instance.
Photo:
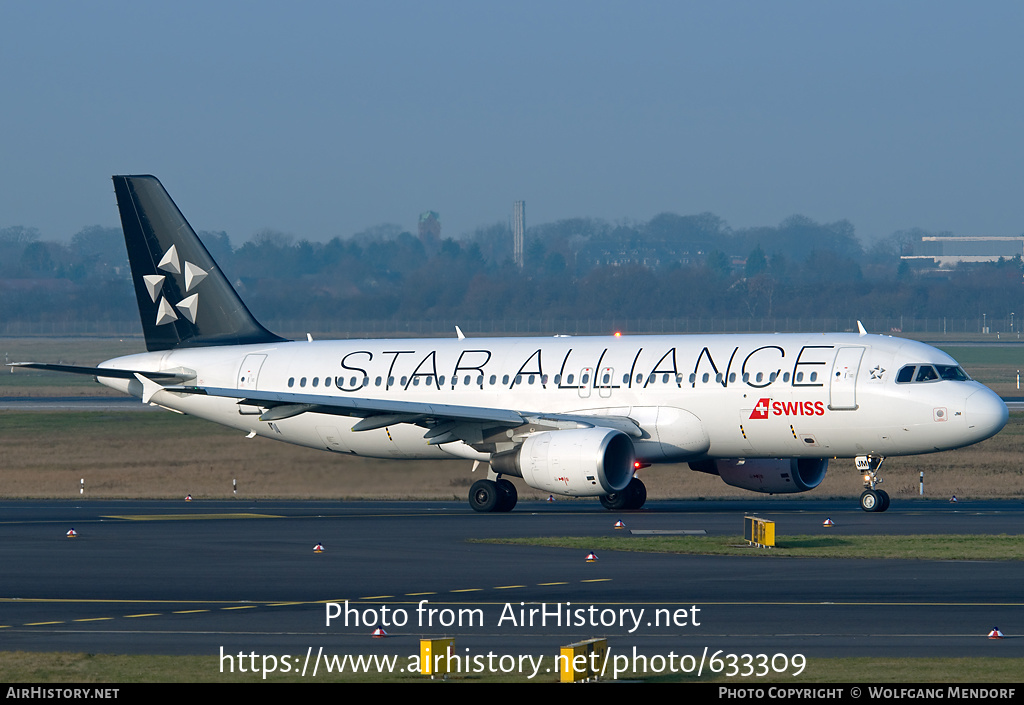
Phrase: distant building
(950, 251)
(430, 230)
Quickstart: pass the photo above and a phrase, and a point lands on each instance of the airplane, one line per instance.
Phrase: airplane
(574, 416)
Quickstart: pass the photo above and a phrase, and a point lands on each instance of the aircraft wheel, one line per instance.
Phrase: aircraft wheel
(484, 496)
(616, 500)
(637, 493)
(884, 496)
(870, 501)
(509, 496)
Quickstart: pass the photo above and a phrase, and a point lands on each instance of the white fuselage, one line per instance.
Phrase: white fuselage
(695, 396)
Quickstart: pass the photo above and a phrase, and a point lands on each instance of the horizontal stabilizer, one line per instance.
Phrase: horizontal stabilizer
(164, 377)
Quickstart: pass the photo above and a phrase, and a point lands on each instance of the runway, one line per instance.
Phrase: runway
(192, 578)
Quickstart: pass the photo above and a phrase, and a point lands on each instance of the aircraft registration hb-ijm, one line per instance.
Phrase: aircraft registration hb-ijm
(569, 415)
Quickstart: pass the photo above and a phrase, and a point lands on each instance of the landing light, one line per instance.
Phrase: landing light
(618, 334)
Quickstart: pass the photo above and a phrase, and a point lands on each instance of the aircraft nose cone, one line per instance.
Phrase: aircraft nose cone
(986, 414)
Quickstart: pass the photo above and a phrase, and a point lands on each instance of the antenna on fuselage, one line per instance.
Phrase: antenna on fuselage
(860, 328)
(458, 332)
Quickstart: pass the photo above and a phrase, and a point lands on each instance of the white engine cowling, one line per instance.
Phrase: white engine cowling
(774, 476)
(587, 462)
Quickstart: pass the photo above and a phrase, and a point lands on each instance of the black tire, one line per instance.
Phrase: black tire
(509, 496)
(884, 496)
(632, 497)
(638, 493)
(484, 496)
(870, 501)
(616, 501)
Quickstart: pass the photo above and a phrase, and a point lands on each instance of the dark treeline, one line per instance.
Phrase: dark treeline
(669, 267)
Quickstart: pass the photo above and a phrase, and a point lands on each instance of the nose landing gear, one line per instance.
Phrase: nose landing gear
(872, 499)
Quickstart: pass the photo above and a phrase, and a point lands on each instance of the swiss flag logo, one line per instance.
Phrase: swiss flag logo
(761, 409)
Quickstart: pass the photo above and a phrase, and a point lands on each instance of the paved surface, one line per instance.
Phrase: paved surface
(174, 578)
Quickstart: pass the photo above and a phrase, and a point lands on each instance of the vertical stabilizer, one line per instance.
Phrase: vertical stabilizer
(184, 298)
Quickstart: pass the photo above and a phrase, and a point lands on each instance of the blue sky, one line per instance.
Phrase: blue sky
(323, 118)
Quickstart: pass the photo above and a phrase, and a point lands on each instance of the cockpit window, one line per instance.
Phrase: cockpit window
(931, 373)
(906, 375)
(952, 372)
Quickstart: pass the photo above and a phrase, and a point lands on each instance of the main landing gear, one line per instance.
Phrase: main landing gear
(872, 499)
(493, 495)
(633, 497)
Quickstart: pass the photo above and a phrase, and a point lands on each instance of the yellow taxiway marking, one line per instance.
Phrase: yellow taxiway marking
(93, 619)
(241, 607)
(148, 614)
(377, 597)
(417, 594)
(189, 611)
(596, 580)
(468, 590)
(171, 517)
(547, 584)
(508, 587)
(41, 624)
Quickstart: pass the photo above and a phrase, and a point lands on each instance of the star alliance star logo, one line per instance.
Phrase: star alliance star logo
(165, 313)
(877, 371)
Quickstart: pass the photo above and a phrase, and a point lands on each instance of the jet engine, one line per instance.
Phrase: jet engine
(584, 462)
(774, 476)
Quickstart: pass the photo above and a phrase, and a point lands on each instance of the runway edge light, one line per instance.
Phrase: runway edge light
(619, 524)
(379, 633)
(319, 548)
(72, 534)
(828, 522)
(591, 557)
(995, 633)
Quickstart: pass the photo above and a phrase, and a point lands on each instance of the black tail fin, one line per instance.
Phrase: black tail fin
(184, 298)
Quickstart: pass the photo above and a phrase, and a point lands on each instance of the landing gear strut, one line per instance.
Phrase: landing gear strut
(872, 499)
(633, 497)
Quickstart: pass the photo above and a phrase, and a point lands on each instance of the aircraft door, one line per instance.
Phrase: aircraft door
(249, 372)
(605, 382)
(586, 380)
(843, 384)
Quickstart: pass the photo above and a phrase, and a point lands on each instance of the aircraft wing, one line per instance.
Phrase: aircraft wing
(445, 422)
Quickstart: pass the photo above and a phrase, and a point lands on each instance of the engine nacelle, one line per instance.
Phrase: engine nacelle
(774, 476)
(586, 462)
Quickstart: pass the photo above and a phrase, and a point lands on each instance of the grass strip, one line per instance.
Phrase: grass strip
(938, 547)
